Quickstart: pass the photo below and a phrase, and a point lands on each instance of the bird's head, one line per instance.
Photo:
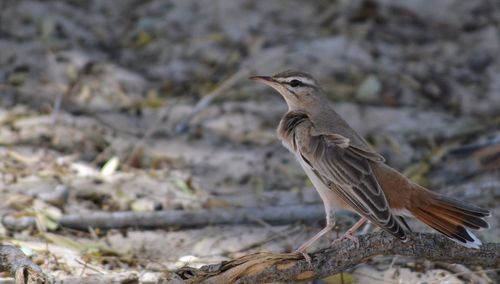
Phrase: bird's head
(299, 89)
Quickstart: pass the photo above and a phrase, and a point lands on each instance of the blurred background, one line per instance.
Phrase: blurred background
(145, 106)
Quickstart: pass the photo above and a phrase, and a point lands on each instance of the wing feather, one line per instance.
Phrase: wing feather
(346, 169)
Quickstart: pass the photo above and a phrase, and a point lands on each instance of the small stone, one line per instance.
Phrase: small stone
(369, 89)
(143, 205)
(57, 197)
(149, 277)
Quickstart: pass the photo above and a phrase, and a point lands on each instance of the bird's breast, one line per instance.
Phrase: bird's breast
(287, 145)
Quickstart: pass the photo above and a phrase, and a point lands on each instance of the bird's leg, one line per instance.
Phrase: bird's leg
(330, 224)
(349, 234)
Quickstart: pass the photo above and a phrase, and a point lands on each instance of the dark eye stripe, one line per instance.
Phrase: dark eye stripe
(295, 83)
(302, 84)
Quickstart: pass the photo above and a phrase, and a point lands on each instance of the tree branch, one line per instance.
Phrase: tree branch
(269, 267)
(14, 261)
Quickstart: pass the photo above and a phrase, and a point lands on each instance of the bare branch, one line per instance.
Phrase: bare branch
(180, 218)
(269, 267)
(14, 261)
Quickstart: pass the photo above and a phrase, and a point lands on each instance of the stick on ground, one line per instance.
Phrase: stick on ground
(180, 218)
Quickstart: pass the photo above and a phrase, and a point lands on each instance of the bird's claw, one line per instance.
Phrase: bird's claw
(349, 236)
(305, 255)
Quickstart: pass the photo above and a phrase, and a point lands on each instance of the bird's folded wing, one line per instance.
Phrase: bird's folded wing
(346, 170)
(343, 142)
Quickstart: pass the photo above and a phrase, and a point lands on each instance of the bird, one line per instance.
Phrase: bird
(349, 174)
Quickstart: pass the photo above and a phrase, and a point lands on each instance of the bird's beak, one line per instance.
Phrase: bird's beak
(271, 82)
(268, 81)
(264, 79)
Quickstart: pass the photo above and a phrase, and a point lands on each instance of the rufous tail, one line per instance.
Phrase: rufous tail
(451, 217)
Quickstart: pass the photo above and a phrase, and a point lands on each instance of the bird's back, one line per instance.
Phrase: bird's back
(327, 121)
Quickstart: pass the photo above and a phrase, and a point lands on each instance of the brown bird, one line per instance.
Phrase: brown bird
(349, 174)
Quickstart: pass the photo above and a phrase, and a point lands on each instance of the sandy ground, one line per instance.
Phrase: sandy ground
(83, 82)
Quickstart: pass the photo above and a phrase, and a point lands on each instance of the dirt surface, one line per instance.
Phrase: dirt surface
(96, 114)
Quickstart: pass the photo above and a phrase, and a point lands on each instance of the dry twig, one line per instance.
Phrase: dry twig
(14, 261)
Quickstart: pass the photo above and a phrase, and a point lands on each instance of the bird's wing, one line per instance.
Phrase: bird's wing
(346, 169)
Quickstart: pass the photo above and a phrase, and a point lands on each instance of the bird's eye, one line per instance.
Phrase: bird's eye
(295, 83)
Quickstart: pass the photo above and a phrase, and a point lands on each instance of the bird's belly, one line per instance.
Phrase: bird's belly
(327, 195)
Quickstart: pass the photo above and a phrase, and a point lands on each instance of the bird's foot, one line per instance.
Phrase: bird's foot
(347, 235)
(303, 248)
(304, 254)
